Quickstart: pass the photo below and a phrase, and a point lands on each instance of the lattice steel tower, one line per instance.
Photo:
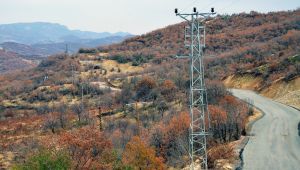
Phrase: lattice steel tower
(195, 41)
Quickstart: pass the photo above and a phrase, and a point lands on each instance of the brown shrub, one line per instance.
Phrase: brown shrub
(219, 152)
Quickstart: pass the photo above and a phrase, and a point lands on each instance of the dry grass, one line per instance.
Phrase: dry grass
(279, 88)
(222, 156)
(8, 103)
(124, 68)
(248, 82)
(291, 98)
(286, 93)
(103, 54)
(257, 114)
(6, 159)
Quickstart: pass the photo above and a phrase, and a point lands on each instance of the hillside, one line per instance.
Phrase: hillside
(264, 47)
(23, 49)
(45, 103)
(239, 43)
(10, 61)
(103, 108)
(46, 49)
(36, 41)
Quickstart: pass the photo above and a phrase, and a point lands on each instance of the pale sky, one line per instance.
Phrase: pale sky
(134, 16)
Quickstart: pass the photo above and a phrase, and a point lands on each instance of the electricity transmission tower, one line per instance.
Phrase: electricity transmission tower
(67, 49)
(195, 41)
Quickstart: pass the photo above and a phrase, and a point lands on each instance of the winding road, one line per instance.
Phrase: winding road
(275, 143)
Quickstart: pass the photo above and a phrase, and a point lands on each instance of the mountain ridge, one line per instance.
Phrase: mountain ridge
(44, 32)
(47, 49)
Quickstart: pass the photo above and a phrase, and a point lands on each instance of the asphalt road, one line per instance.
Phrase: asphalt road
(275, 143)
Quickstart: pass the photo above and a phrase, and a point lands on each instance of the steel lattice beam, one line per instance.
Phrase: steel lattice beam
(195, 41)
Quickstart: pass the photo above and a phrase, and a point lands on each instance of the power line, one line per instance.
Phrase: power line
(67, 49)
(208, 5)
(230, 4)
(196, 1)
(189, 5)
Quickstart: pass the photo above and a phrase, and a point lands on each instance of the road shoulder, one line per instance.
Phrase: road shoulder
(257, 115)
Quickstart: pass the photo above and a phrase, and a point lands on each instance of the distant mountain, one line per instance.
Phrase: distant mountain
(43, 32)
(23, 45)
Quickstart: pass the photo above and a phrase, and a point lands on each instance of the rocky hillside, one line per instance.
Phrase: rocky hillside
(281, 90)
(235, 44)
(10, 61)
(254, 51)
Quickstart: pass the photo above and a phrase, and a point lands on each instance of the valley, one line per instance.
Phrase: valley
(33, 42)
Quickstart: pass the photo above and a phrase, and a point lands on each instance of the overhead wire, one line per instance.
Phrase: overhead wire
(210, 4)
(190, 4)
(197, 1)
(226, 7)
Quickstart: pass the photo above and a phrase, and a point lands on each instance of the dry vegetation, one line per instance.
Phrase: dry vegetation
(125, 106)
(63, 99)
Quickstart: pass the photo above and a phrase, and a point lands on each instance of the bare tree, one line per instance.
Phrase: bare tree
(61, 110)
(78, 109)
(106, 101)
(51, 124)
(161, 106)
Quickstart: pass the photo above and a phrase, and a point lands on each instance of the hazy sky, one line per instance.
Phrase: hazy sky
(134, 16)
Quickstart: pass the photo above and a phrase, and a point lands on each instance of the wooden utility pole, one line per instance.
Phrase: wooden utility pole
(137, 118)
(100, 118)
(73, 80)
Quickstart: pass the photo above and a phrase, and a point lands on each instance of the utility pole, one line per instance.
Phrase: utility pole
(67, 50)
(137, 118)
(100, 118)
(195, 42)
(73, 79)
(82, 106)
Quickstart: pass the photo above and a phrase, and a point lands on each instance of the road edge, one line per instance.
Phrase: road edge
(246, 138)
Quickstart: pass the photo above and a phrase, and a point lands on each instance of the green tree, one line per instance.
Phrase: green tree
(46, 160)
